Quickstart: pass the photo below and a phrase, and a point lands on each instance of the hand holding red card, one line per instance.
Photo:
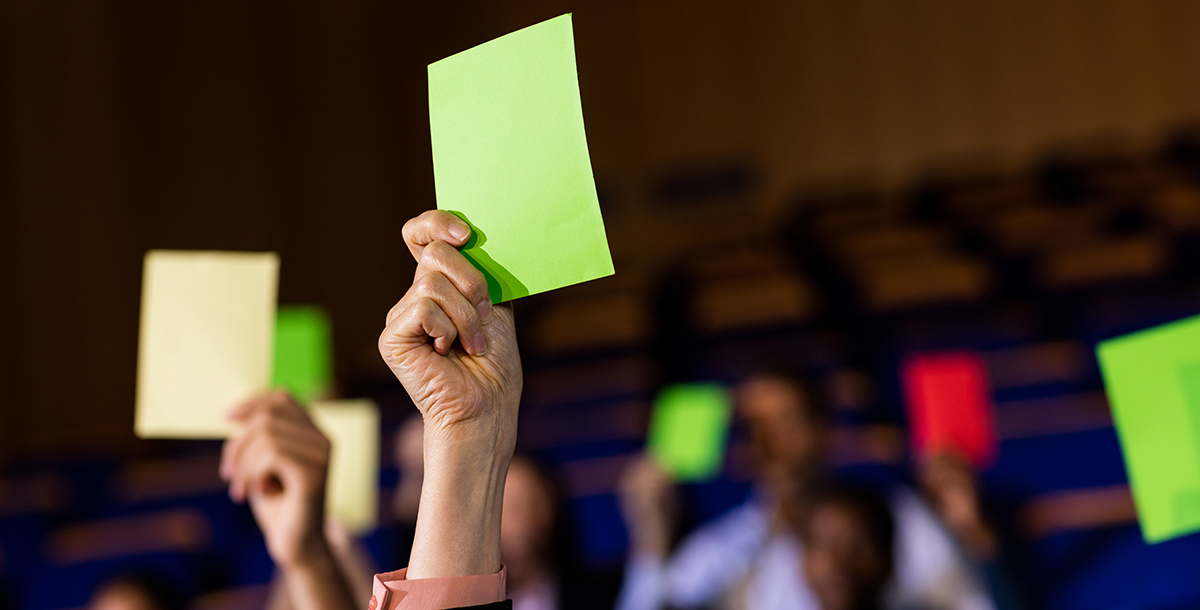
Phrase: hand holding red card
(948, 399)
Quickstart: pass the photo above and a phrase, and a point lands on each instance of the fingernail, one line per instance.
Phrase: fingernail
(459, 230)
(485, 310)
(480, 344)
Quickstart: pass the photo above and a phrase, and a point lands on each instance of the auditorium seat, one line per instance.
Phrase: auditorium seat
(173, 478)
(175, 529)
(1063, 361)
(1081, 265)
(594, 324)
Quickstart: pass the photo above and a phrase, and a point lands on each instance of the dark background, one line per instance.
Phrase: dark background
(840, 182)
(302, 128)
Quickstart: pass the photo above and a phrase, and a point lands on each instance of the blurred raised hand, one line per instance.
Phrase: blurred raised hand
(649, 506)
(278, 460)
(949, 485)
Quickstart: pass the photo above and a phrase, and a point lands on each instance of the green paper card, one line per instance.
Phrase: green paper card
(689, 428)
(510, 157)
(303, 348)
(1153, 383)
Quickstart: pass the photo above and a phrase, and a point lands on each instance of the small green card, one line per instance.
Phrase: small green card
(1153, 383)
(510, 157)
(303, 352)
(689, 428)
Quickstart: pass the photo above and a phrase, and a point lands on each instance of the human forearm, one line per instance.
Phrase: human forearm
(458, 525)
(317, 583)
(457, 357)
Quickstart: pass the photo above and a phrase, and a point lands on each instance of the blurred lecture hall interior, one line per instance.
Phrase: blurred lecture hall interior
(828, 185)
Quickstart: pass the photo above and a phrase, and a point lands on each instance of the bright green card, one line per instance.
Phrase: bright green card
(303, 351)
(689, 428)
(510, 157)
(1153, 383)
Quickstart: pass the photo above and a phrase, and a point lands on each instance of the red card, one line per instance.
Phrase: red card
(949, 403)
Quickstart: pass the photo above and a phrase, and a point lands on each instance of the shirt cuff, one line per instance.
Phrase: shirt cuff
(393, 591)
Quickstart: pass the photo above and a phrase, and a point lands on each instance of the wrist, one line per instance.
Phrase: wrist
(314, 558)
(654, 542)
(469, 444)
(458, 523)
(979, 540)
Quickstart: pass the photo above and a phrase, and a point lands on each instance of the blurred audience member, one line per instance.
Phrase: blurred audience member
(949, 486)
(135, 592)
(409, 453)
(848, 537)
(534, 538)
(746, 558)
(527, 537)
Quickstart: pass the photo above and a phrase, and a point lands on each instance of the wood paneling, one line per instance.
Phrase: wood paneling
(301, 128)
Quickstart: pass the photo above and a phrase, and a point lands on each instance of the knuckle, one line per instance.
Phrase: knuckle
(428, 284)
(384, 340)
(271, 445)
(435, 253)
(428, 309)
(410, 228)
(477, 288)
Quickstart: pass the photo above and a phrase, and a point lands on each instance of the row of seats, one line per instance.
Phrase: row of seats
(1030, 268)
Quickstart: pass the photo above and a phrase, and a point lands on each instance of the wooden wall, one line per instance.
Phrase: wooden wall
(302, 127)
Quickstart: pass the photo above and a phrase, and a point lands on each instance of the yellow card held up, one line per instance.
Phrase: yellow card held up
(205, 340)
(352, 492)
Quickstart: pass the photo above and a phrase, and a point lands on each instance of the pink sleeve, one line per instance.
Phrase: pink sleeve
(392, 591)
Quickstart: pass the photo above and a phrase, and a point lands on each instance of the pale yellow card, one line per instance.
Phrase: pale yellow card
(205, 341)
(352, 491)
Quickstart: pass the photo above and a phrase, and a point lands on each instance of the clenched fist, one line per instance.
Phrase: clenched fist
(452, 350)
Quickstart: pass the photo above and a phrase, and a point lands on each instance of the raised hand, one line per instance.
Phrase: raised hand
(278, 460)
(949, 485)
(649, 506)
(452, 350)
(456, 355)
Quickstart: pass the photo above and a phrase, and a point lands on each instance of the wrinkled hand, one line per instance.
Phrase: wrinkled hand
(278, 460)
(648, 503)
(454, 352)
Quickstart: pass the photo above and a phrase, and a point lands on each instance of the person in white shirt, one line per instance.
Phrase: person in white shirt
(748, 557)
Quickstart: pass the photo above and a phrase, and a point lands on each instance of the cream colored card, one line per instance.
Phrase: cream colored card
(352, 491)
(205, 341)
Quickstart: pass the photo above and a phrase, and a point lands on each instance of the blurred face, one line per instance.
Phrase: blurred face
(786, 440)
(527, 521)
(121, 596)
(843, 567)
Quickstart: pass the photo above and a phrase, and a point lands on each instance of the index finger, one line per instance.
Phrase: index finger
(431, 226)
